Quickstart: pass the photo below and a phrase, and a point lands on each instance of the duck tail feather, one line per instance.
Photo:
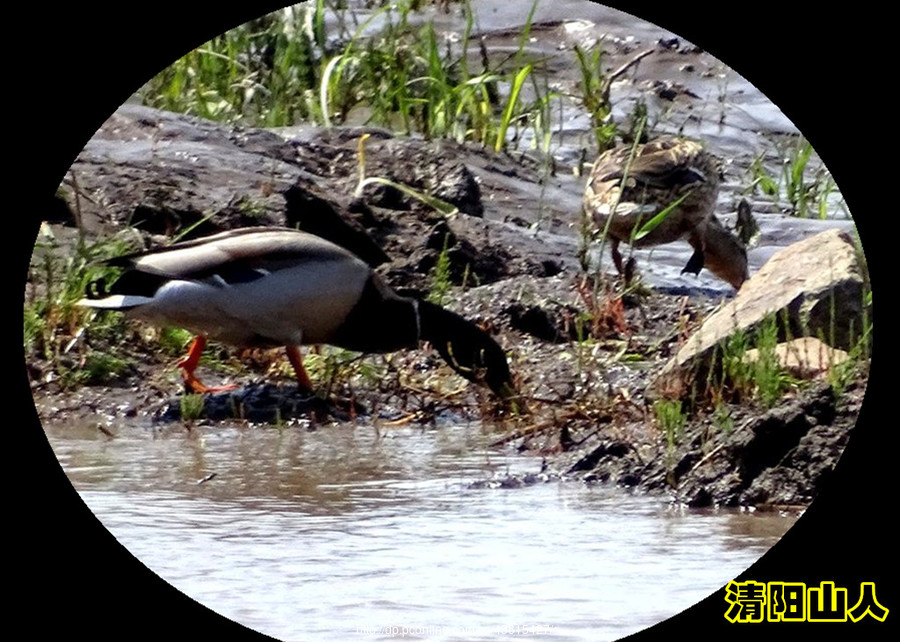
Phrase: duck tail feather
(114, 302)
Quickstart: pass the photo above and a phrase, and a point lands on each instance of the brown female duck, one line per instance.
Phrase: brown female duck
(631, 184)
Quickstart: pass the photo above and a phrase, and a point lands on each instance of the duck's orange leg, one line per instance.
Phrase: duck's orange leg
(189, 363)
(296, 359)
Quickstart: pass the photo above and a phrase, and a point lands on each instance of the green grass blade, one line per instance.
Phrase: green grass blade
(654, 222)
(510, 109)
(445, 208)
(324, 89)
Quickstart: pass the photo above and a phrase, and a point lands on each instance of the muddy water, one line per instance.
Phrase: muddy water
(343, 533)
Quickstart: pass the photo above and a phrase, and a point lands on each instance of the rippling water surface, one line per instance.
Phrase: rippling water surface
(347, 533)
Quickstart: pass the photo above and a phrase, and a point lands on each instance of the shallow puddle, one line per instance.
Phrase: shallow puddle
(345, 533)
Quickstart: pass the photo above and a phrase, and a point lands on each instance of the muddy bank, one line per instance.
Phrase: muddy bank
(583, 352)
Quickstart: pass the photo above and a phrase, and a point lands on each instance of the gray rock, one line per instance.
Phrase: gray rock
(813, 287)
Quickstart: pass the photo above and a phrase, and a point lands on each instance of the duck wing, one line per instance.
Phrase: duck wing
(632, 184)
(251, 286)
(652, 171)
(235, 256)
(226, 259)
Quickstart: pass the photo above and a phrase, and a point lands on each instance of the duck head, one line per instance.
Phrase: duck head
(468, 349)
(724, 254)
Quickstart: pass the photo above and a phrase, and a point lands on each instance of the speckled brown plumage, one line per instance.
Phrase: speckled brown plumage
(631, 184)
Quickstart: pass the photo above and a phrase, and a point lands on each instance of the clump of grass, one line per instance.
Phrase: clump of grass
(440, 276)
(806, 186)
(594, 88)
(173, 341)
(58, 278)
(191, 406)
(840, 375)
(405, 80)
(721, 418)
(769, 378)
(251, 208)
(97, 368)
(761, 179)
(262, 73)
(740, 378)
(604, 308)
(736, 372)
(333, 367)
(671, 420)
(794, 173)
(281, 70)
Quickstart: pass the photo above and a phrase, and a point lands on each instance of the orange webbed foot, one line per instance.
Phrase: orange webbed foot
(189, 363)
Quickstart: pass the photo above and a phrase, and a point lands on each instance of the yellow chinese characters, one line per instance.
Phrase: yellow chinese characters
(793, 602)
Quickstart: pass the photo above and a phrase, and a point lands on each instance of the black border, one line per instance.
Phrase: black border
(828, 69)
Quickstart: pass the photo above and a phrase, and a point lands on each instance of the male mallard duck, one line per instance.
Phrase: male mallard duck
(268, 287)
(631, 184)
